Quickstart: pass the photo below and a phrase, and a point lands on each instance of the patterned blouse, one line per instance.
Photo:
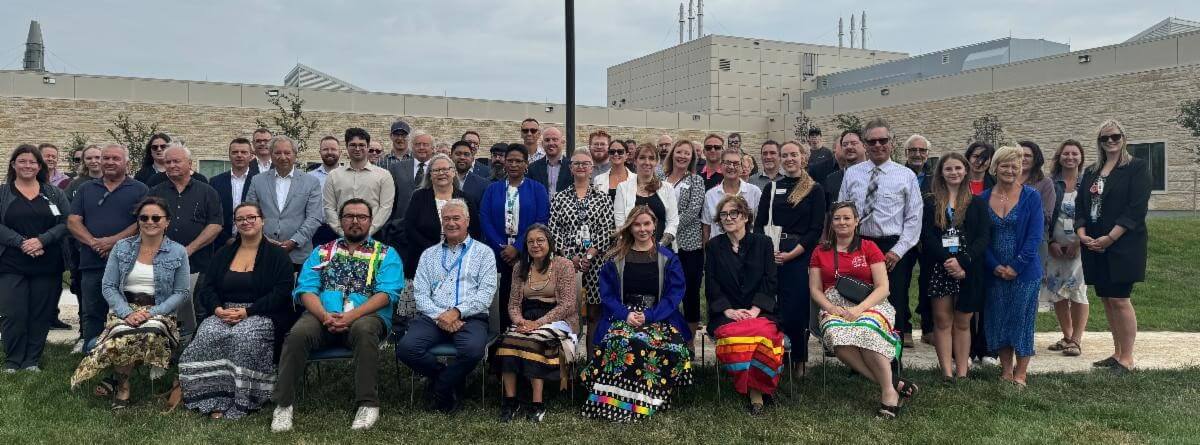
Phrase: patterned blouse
(569, 215)
(690, 191)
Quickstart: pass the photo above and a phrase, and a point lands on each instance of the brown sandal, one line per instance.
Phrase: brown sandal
(1060, 344)
(1072, 349)
(174, 397)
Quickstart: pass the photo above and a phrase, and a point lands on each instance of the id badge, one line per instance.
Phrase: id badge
(779, 191)
(54, 210)
(347, 304)
(951, 243)
(1068, 226)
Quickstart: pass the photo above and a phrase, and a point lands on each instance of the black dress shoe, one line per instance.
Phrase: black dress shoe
(755, 409)
(58, 325)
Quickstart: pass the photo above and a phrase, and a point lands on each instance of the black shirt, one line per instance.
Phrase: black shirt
(833, 185)
(739, 280)
(31, 218)
(821, 169)
(105, 213)
(640, 279)
(237, 287)
(191, 211)
(160, 177)
(805, 220)
(660, 211)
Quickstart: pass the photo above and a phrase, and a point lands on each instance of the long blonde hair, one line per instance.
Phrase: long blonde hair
(804, 182)
(1101, 155)
(624, 236)
(941, 193)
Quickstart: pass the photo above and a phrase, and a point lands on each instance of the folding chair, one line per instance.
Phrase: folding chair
(787, 351)
(446, 351)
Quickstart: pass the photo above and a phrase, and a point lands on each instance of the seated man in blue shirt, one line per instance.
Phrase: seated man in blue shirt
(348, 287)
(453, 288)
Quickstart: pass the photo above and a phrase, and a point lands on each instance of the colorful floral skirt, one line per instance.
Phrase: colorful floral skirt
(229, 368)
(751, 351)
(635, 371)
(151, 344)
(873, 329)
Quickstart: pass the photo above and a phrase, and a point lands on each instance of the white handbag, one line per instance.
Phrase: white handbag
(771, 230)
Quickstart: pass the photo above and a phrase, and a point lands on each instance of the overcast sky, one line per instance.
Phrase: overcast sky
(504, 49)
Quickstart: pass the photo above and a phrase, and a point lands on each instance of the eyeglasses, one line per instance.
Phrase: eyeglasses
(712, 147)
(76, 160)
(158, 147)
(356, 218)
(243, 219)
(529, 130)
(441, 171)
(581, 164)
(1110, 137)
(918, 150)
(148, 218)
(732, 214)
(515, 161)
(732, 163)
(359, 145)
(880, 141)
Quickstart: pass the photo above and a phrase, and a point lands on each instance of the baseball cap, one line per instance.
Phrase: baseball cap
(401, 127)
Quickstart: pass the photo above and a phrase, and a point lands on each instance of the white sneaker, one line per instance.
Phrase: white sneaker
(991, 361)
(365, 418)
(281, 421)
(78, 348)
(33, 369)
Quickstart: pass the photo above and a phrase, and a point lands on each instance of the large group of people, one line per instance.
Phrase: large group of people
(532, 253)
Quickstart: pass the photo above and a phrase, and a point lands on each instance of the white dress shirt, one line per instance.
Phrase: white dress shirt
(283, 184)
(898, 206)
(236, 184)
(713, 197)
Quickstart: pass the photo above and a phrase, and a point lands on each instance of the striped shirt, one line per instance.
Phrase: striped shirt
(897, 208)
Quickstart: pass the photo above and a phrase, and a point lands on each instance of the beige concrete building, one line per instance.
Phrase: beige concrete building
(731, 75)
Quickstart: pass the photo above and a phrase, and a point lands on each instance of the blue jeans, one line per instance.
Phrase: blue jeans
(92, 306)
(423, 334)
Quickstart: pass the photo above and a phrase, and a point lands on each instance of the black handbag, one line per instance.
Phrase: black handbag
(852, 289)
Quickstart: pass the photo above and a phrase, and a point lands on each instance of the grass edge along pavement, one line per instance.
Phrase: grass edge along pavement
(1095, 407)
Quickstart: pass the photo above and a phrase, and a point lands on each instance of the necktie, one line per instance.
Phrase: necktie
(872, 187)
(420, 173)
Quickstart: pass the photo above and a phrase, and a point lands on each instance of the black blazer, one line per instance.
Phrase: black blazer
(223, 184)
(423, 228)
(833, 186)
(976, 233)
(540, 171)
(1125, 201)
(272, 282)
(733, 284)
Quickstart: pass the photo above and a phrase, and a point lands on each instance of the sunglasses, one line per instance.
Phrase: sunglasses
(617, 152)
(918, 150)
(1110, 137)
(148, 218)
(374, 152)
(158, 147)
(712, 147)
(880, 141)
(529, 130)
(76, 160)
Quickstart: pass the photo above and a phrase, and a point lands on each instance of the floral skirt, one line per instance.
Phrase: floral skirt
(635, 371)
(229, 368)
(751, 351)
(151, 344)
(873, 330)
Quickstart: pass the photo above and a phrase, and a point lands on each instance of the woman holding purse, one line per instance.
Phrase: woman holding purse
(792, 212)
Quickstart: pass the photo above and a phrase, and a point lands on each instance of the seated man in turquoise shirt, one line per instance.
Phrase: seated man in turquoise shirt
(453, 288)
(348, 288)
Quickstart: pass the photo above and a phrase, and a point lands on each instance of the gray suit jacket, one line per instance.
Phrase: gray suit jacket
(402, 177)
(300, 215)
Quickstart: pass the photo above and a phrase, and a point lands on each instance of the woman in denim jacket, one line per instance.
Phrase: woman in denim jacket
(145, 280)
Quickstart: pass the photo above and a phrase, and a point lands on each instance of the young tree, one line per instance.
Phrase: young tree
(290, 120)
(75, 142)
(800, 126)
(988, 128)
(134, 135)
(845, 122)
(1188, 117)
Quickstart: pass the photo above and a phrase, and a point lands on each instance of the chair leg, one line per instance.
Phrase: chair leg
(412, 388)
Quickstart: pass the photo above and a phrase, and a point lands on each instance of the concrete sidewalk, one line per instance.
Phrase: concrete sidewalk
(1155, 350)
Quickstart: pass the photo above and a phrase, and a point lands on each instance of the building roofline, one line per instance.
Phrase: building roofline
(934, 53)
(300, 66)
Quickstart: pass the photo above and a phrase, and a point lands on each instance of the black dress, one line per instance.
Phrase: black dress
(423, 226)
(1123, 201)
(802, 224)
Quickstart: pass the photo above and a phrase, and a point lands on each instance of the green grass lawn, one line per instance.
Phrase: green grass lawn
(1147, 407)
(1166, 301)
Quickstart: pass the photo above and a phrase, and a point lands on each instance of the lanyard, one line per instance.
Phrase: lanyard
(456, 265)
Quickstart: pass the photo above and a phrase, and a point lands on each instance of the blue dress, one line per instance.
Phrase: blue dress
(1011, 306)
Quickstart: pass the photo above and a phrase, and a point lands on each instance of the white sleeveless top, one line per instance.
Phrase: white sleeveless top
(140, 279)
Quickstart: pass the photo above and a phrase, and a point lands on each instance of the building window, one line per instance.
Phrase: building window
(945, 59)
(809, 67)
(213, 167)
(724, 64)
(1154, 153)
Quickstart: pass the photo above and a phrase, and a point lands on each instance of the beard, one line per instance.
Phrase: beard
(356, 238)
